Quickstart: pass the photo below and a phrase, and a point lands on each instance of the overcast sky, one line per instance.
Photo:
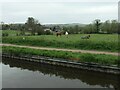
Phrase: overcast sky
(58, 11)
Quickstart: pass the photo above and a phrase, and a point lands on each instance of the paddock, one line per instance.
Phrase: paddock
(102, 42)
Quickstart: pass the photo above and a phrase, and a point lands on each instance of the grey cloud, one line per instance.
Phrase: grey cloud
(64, 12)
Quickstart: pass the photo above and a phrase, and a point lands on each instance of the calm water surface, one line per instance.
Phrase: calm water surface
(19, 74)
(0, 74)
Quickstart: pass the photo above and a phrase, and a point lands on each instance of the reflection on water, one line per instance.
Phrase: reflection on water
(28, 74)
(0, 74)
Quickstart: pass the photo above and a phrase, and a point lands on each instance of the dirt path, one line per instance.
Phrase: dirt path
(58, 49)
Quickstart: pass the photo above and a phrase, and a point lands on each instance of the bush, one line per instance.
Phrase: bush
(5, 34)
(48, 33)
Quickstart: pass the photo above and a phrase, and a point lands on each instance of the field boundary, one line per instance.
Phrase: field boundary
(61, 49)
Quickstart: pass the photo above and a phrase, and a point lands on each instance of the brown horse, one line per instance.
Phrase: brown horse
(58, 34)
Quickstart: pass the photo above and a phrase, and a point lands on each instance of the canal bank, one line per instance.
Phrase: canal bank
(66, 63)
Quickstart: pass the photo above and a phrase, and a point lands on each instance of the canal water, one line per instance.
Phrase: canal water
(0, 74)
(23, 74)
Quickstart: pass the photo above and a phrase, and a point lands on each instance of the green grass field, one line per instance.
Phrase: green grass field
(102, 42)
(11, 32)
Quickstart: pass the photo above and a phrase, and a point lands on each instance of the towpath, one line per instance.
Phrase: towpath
(61, 49)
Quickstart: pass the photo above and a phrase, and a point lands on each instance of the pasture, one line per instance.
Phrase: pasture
(11, 32)
(102, 42)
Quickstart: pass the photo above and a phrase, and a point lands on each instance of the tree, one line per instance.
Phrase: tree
(106, 27)
(118, 27)
(71, 30)
(39, 29)
(30, 25)
(114, 26)
(97, 24)
(33, 26)
(5, 26)
(65, 28)
(76, 29)
(89, 29)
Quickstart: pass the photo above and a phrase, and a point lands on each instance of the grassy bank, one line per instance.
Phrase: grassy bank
(102, 42)
(79, 57)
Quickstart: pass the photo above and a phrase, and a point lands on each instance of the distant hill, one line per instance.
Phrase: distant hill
(65, 25)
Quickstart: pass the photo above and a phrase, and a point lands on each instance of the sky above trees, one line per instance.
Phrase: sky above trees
(58, 11)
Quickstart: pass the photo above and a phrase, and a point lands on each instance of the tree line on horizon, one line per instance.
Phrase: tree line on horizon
(96, 27)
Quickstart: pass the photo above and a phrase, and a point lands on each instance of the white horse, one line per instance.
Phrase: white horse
(66, 33)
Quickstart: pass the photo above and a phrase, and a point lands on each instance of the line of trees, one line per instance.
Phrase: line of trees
(97, 26)
(32, 25)
(107, 27)
(73, 29)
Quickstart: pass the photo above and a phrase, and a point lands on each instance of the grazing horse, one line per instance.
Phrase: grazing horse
(58, 34)
(66, 33)
(85, 37)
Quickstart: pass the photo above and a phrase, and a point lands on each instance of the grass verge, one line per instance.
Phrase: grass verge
(78, 57)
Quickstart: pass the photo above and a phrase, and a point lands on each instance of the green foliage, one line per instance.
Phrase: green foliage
(5, 34)
(89, 29)
(108, 27)
(12, 26)
(47, 32)
(33, 26)
(77, 57)
(97, 24)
